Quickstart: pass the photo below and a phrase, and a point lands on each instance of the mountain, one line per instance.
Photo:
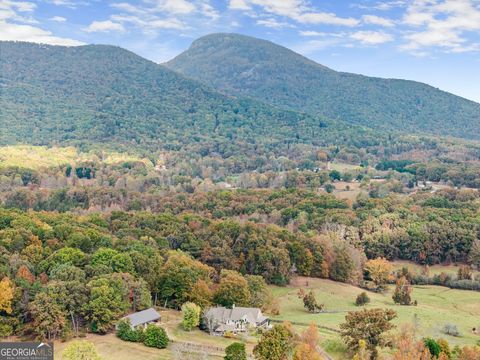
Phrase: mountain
(242, 65)
(98, 95)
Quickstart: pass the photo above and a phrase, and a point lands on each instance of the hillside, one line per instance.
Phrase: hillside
(237, 64)
(104, 95)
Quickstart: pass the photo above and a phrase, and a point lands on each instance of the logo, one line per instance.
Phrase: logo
(26, 351)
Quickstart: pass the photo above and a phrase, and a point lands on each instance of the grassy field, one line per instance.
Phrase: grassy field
(433, 269)
(436, 307)
(109, 347)
(39, 157)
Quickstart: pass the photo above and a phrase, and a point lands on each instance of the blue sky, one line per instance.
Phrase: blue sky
(433, 41)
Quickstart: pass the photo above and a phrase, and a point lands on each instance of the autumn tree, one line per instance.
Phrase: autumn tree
(48, 317)
(464, 272)
(362, 352)
(232, 290)
(310, 302)
(307, 349)
(201, 294)
(6, 295)
(369, 325)
(275, 344)
(362, 299)
(409, 348)
(378, 270)
(402, 293)
(23, 273)
(179, 274)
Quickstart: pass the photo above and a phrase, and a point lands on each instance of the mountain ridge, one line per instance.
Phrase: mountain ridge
(108, 95)
(260, 69)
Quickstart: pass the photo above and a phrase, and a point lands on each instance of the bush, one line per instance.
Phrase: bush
(451, 329)
(235, 351)
(432, 347)
(155, 336)
(362, 299)
(126, 333)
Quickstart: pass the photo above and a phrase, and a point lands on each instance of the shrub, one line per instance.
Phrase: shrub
(362, 299)
(235, 351)
(432, 347)
(451, 329)
(155, 336)
(126, 333)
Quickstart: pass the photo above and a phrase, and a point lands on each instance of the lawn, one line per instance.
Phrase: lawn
(436, 307)
(433, 269)
(109, 347)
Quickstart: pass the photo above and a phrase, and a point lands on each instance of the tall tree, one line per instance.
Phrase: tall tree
(379, 270)
(275, 344)
(48, 317)
(232, 290)
(6, 295)
(369, 325)
(402, 293)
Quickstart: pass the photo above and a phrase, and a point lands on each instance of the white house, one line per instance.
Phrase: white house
(220, 320)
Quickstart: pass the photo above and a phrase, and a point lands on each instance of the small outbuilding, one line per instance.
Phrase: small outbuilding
(142, 318)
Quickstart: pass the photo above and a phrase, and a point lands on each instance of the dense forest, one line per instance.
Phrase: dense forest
(242, 65)
(125, 184)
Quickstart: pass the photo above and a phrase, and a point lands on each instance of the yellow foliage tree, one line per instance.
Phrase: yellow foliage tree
(379, 271)
(6, 295)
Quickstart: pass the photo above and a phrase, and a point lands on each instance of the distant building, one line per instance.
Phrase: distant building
(220, 320)
(142, 318)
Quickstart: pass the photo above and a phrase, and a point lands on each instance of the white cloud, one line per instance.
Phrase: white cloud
(58, 19)
(444, 24)
(312, 33)
(14, 26)
(371, 37)
(297, 10)
(149, 23)
(173, 6)
(273, 23)
(377, 20)
(104, 26)
(16, 32)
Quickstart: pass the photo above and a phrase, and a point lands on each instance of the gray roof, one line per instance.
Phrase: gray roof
(143, 317)
(222, 314)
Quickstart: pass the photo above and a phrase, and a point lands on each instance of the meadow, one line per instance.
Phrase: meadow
(436, 307)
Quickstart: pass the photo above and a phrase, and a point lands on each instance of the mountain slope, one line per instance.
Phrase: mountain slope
(237, 64)
(104, 95)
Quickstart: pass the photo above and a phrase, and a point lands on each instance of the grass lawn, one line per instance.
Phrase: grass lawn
(436, 307)
(433, 269)
(109, 347)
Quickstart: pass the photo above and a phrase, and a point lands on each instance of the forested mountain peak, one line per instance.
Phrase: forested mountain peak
(260, 69)
(99, 94)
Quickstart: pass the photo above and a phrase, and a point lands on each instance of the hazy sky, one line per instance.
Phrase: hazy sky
(433, 41)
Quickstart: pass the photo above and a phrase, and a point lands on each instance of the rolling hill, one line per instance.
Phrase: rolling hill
(98, 95)
(242, 65)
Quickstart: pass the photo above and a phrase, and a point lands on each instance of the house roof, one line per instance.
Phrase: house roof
(143, 317)
(222, 314)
